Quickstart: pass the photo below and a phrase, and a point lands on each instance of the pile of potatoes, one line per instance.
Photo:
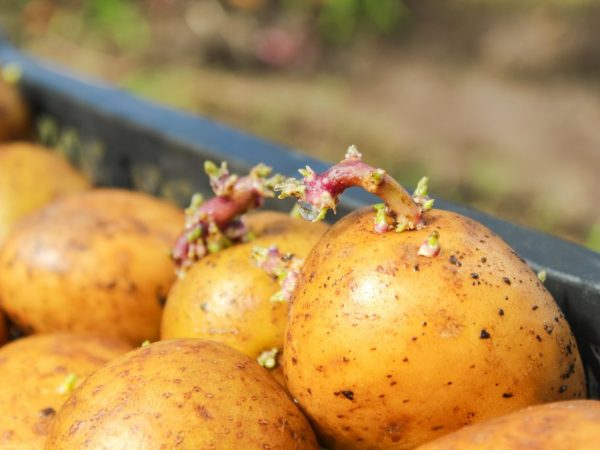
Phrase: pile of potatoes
(103, 346)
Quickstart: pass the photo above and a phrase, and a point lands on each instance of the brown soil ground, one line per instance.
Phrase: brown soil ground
(523, 147)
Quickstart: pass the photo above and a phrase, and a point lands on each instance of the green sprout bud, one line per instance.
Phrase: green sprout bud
(12, 73)
(278, 297)
(196, 201)
(291, 188)
(377, 176)
(259, 255)
(48, 131)
(352, 153)
(433, 239)
(249, 237)
(211, 168)
(68, 385)
(194, 235)
(307, 173)
(381, 216)
(542, 275)
(402, 224)
(422, 187)
(431, 247)
(321, 215)
(261, 171)
(146, 343)
(280, 274)
(214, 246)
(272, 182)
(268, 358)
(428, 204)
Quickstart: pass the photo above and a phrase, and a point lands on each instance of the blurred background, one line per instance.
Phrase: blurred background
(498, 101)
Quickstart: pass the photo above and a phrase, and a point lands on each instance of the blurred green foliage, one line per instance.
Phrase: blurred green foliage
(104, 24)
(593, 240)
(512, 4)
(339, 20)
(120, 21)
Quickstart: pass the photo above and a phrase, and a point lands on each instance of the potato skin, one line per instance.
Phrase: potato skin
(225, 297)
(386, 349)
(184, 394)
(96, 262)
(31, 371)
(567, 425)
(14, 113)
(30, 177)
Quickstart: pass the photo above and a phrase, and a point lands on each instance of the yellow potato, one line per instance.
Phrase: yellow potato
(188, 394)
(30, 177)
(569, 425)
(225, 297)
(14, 114)
(387, 349)
(96, 262)
(36, 374)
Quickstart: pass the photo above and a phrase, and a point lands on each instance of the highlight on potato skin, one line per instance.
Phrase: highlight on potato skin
(189, 393)
(388, 348)
(567, 425)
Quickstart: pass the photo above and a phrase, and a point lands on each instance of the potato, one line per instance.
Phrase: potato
(36, 373)
(225, 297)
(30, 177)
(388, 349)
(96, 262)
(568, 425)
(188, 394)
(14, 114)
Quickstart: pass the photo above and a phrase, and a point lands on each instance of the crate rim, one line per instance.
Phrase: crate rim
(573, 270)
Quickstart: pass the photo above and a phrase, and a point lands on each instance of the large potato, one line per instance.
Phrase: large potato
(388, 349)
(35, 377)
(14, 114)
(96, 262)
(225, 297)
(569, 425)
(30, 177)
(185, 394)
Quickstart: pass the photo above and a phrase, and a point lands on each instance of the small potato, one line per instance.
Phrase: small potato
(30, 177)
(568, 425)
(188, 394)
(96, 262)
(14, 114)
(225, 297)
(36, 374)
